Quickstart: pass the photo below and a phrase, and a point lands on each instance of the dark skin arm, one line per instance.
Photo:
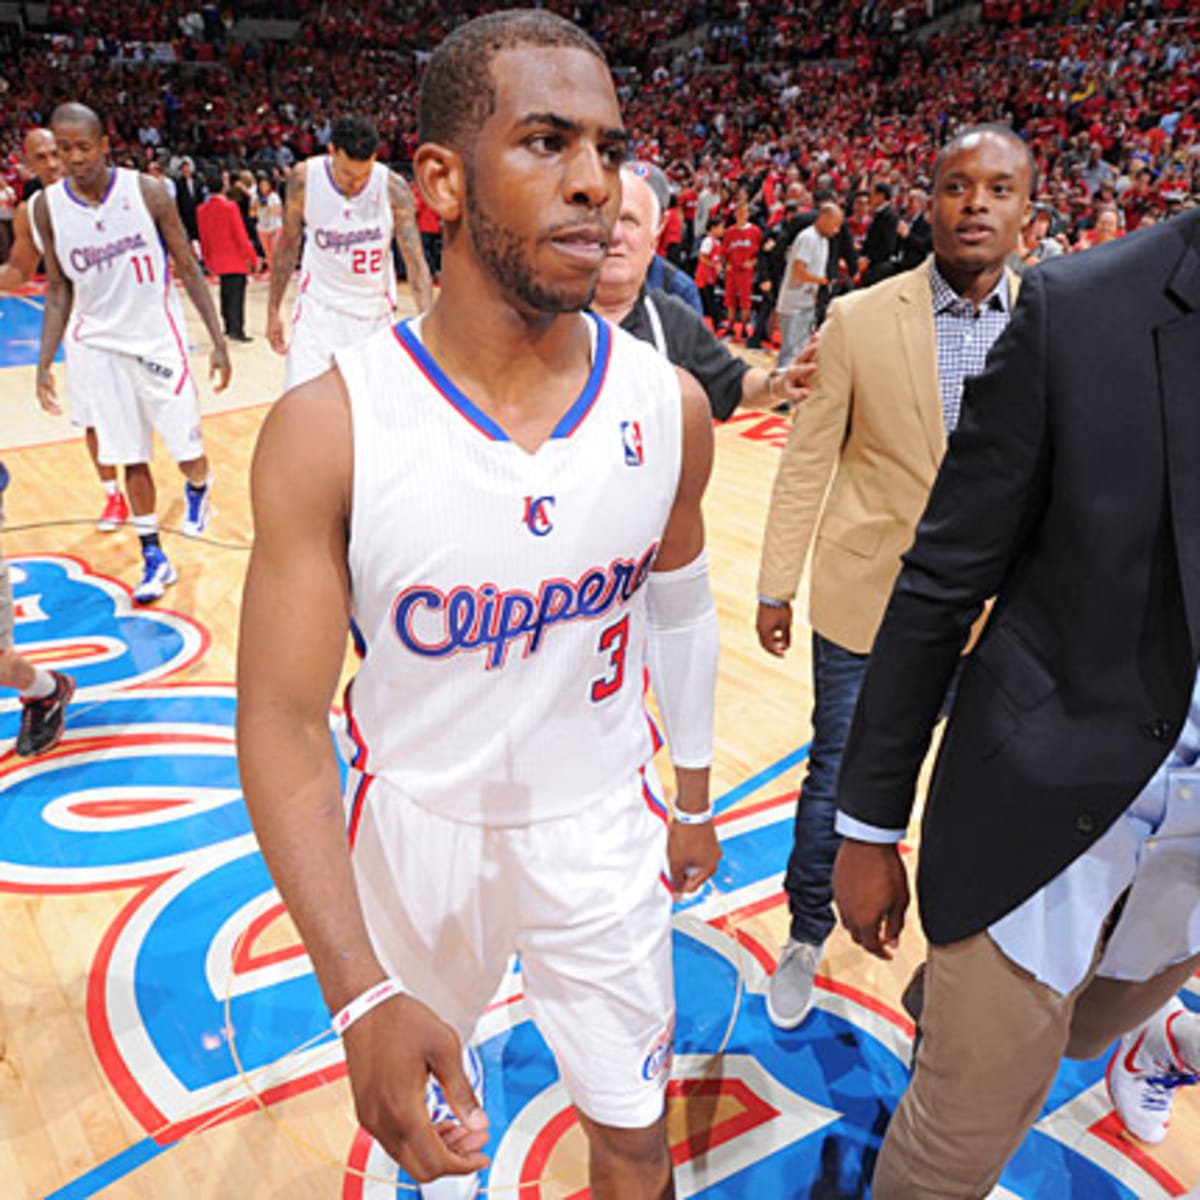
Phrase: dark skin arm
(60, 294)
(408, 238)
(292, 645)
(170, 228)
(23, 256)
(287, 253)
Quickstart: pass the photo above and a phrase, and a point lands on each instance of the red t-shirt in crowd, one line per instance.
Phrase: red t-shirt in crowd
(740, 246)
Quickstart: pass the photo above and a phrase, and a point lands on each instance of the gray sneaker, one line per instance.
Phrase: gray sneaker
(790, 992)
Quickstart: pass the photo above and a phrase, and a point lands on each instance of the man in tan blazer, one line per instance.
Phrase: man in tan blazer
(856, 473)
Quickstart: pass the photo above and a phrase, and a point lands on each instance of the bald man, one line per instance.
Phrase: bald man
(110, 236)
(677, 331)
(41, 155)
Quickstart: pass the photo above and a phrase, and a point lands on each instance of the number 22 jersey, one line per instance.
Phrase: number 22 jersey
(500, 594)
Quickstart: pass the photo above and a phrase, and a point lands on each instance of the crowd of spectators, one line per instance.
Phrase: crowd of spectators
(773, 104)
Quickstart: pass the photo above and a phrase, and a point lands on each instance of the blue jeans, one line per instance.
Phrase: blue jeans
(837, 678)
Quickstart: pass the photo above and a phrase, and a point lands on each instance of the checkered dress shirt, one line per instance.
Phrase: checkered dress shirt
(964, 337)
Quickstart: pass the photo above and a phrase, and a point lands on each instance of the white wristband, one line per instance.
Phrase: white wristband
(362, 1004)
(694, 818)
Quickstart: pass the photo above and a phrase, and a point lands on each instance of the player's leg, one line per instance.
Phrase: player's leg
(170, 404)
(310, 350)
(116, 509)
(595, 951)
(80, 389)
(44, 694)
(125, 438)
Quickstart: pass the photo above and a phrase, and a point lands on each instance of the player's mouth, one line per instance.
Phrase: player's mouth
(586, 244)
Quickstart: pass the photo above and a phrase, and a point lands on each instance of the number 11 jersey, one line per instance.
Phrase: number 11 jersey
(125, 299)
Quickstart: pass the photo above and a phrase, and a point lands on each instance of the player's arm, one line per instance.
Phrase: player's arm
(287, 253)
(408, 238)
(163, 209)
(23, 255)
(295, 615)
(682, 650)
(60, 293)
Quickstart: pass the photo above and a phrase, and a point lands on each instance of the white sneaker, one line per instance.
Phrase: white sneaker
(195, 510)
(452, 1187)
(1144, 1074)
(790, 992)
(157, 576)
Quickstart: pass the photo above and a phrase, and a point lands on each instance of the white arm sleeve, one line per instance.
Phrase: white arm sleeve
(682, 652)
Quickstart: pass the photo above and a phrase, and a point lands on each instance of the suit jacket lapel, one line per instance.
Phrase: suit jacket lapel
(1178, 344)
(914, 323)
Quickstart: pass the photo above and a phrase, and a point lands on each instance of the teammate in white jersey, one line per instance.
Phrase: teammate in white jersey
(348, 207)
(107, 233)
(505, 496)
(41, 155)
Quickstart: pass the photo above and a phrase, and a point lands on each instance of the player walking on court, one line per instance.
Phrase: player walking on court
(107, 232)
(41, 155)
(505, 496)
(349, 207)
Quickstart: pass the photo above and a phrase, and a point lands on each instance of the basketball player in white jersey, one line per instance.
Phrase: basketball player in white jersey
(41, 155)
(348, 207)
(505, 497)
(107, 233)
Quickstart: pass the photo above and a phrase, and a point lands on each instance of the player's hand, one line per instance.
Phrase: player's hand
(219, 369)
(774, 625)
(390, 1053)
(275, 333)
(870, 887)
(693, 852)
(46, 393)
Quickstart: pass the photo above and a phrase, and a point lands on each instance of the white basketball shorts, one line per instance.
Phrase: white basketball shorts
(79, 388)
(129, 398)
(317, 331)
(584, 900)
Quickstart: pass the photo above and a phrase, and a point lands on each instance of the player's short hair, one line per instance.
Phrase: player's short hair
(355, 136)
(458, 92)
(999, 130)
(880, 188)
(74, 113)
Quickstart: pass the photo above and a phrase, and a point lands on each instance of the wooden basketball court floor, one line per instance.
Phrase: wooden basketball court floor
(160, 1031)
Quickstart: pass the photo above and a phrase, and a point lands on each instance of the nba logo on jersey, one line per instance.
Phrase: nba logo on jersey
(631, 439)
(537, 515)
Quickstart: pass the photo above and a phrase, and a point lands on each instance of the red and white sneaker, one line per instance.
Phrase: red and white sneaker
(1145, 1073)
(115, 514)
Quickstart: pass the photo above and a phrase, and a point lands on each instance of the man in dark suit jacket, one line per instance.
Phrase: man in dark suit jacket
(1071, 493)
(188, 198)
(881, 246)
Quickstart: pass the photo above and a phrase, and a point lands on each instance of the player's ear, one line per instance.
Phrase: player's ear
(442, 177)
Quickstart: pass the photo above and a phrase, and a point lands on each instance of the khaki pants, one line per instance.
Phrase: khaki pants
(993, 1040)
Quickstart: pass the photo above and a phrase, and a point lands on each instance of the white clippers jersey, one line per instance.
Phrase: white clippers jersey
(501, 594)
(125, 299)
(347, 262)
(34, 232)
